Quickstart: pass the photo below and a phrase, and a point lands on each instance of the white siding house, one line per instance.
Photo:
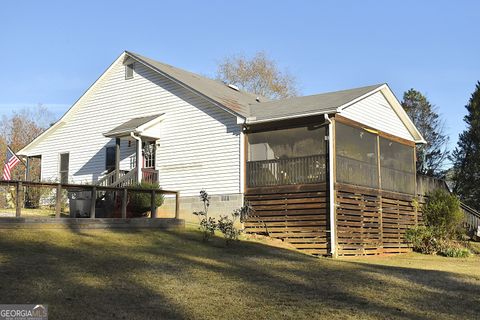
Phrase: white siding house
(199, 146)
(200, 128)
(376, 112)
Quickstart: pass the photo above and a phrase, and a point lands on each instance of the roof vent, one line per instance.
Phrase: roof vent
(234, 87)
(257, 99)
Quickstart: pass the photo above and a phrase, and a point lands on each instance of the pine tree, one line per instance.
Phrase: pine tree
(466, 156)
(430, 157)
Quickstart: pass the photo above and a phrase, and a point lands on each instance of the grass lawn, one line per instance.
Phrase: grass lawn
(172, 275)
(27, 212)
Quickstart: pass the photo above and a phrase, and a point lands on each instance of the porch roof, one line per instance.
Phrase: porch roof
(143, 126)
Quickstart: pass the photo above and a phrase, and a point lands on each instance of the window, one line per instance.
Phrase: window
(64, 163)
(129, 70)
(287, 156)
(149, 150)
(397, 166)
(110, 159)
(356, 153)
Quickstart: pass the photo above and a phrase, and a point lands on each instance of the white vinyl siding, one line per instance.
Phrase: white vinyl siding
(375, 111)
(199, 146)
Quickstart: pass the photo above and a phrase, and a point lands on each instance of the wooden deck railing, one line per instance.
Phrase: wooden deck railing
(123, 192)
(150, 175)
(110, 178)
(472, 217)
(301, 170)
(126, 178)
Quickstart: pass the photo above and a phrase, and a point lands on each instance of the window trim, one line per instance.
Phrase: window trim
(127, 68)
(60, 171)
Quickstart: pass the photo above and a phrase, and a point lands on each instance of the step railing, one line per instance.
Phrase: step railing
(128, 179)
(111, 177)
(472, 218)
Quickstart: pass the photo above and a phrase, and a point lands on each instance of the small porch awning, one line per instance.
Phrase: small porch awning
(147, 127)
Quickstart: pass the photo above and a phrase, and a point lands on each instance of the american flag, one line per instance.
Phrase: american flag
(11, 160)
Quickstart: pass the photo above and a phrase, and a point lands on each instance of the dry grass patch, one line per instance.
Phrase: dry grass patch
(173, 275)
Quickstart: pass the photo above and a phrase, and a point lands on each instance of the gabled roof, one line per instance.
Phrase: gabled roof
(243, 104)
(324, 103)
(233, 100)
(135, 125)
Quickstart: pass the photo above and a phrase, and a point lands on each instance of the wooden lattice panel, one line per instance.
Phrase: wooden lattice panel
(358, 224)
(371, 222)
(295, 214)
(397, 216)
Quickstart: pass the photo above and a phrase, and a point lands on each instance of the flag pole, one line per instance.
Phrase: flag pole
(25, 175)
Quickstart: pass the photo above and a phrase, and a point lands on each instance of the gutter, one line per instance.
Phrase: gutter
(139, 156)
(331, 192)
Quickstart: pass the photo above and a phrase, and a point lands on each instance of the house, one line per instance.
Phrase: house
(333, 174)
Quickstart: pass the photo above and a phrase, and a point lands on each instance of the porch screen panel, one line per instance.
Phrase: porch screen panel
(397, 166)
(356, 154)
(287, 156)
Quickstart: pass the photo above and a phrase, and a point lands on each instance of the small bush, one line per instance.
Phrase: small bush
(443, 218)
(208, 225)
(139, 202)
(423, 239)
(226, 225)
(455, 251)
(442, 212)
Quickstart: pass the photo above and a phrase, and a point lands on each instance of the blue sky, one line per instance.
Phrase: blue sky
(51, 51)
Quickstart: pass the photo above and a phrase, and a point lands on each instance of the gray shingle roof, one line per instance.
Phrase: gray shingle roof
(245, 104)
(131, 125)
(299, 106)
(237, 101)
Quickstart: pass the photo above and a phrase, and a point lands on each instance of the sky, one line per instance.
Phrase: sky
(52, 51)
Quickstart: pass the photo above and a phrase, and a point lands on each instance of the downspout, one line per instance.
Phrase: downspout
(139, 156)
(331, 192)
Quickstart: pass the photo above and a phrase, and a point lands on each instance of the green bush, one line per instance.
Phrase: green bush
(207, 224)
(455, 251)
(139, 202)
(443, 219)
(225, 224)
(423, 239)
(442, 212)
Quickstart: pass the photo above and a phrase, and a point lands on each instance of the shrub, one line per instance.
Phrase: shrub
(455, 251)
(139, 202)
(443, 217)
(423, 239)
(442, 212)
(226, 224)
(208, 225)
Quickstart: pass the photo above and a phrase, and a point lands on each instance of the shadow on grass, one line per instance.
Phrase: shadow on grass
(173, 275)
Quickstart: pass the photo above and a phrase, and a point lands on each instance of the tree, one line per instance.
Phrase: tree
(259, 75)
(466, 156)
(19, 129)
(430, 157)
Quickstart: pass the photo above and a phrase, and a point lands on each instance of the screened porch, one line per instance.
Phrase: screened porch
(287, 157)
(299, 156)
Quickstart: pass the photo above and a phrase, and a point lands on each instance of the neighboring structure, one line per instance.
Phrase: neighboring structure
(332, 173)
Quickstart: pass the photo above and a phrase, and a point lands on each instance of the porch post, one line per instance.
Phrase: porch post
(139, 160)
(117, 158)
(27, 169)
